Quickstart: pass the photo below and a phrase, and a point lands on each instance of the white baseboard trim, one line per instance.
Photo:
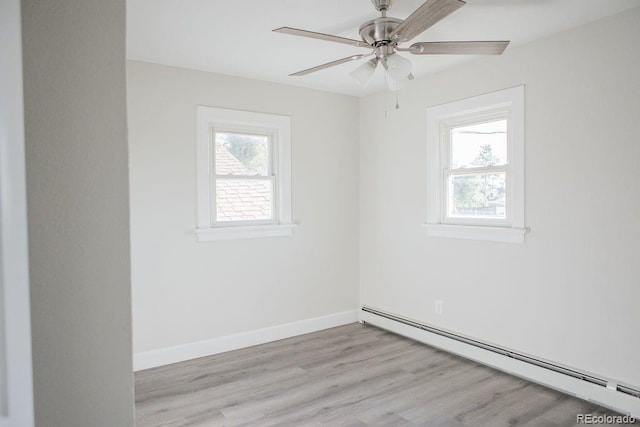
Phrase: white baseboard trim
(584, 390)
(180, 353)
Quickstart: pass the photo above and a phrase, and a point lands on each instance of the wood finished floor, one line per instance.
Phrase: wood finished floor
(352, 375)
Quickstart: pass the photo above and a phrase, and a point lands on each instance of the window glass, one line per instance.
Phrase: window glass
(479, 145)
(242, 154)
(477, 195)
(244, 200)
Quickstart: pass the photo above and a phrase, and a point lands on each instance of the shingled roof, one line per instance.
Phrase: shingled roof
(240, 199)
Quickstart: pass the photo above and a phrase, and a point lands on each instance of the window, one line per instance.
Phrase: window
(244, 174)
(243, 178)
(476, 168)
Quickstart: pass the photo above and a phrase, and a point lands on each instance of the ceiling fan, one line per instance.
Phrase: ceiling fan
(384, 35)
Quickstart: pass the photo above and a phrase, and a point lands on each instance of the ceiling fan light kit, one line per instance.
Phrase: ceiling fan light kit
(398, 67)
(383, 36)
(364, 73)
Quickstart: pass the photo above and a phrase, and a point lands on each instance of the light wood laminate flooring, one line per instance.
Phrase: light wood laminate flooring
(353, 375)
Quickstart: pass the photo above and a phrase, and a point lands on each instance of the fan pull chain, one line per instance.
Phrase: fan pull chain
(397, 96)
(385, 95)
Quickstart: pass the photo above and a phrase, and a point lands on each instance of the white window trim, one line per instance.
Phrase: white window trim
(209, 118)
(510, 101)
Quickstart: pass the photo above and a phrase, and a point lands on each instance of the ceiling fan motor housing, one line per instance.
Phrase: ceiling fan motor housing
(377, 31)
(382, 5)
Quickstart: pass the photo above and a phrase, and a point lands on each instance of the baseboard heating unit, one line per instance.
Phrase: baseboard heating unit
(603, 391)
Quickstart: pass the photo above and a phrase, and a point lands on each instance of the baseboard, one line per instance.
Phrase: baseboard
(603, 396)
(180, 353)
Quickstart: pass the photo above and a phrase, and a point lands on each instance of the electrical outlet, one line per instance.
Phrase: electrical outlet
(439, 306)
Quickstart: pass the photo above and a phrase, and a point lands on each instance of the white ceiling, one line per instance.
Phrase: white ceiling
(234, 36)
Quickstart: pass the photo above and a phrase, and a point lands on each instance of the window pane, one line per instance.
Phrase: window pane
(477, 196)
(243, 200)
(478, 145)
(240, 154)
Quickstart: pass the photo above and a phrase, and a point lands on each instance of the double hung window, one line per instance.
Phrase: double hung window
(476, 168)
(243, 179)
(243, 174)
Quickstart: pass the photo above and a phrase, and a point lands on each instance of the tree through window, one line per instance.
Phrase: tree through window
(477, 172)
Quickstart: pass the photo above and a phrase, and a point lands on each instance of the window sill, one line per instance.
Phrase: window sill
(244, 232)
(472, 232)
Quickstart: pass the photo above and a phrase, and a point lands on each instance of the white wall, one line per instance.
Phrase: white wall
(570, 294)
(78, 216)
(184, 291)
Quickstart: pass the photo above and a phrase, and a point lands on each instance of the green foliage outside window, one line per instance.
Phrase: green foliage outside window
(479, 191)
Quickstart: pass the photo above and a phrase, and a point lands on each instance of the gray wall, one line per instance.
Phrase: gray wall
(570, 293)
(207, 287)
(77, 189)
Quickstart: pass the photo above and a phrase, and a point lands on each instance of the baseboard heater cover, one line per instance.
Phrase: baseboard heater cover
(626, 390)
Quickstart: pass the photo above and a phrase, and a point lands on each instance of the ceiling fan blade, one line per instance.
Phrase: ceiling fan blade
(329, 64)
(459, 48)
(431, 12)
(321, 36)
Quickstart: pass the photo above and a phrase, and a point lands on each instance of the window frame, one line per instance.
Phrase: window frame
(446, 126)
(270, 176)
(441, 119)
(212, 120)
